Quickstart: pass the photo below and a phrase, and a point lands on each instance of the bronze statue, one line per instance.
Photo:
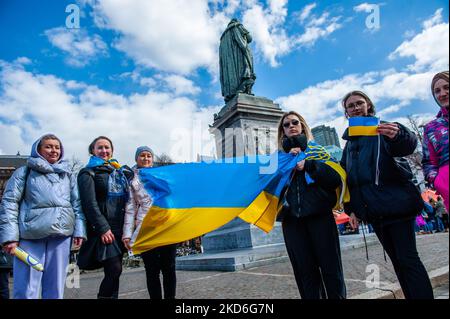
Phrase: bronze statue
(236, 61)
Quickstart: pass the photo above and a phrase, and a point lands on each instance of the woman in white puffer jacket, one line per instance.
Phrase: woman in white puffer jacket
(40, 212)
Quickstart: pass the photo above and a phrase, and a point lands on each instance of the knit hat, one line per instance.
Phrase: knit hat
(141, 149)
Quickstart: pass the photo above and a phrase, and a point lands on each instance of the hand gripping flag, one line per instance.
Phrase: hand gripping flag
(363, 126)
(317, 152)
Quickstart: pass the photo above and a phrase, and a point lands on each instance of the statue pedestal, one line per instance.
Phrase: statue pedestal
(239, 245)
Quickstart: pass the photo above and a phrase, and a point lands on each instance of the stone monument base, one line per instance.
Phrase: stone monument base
(233, 260)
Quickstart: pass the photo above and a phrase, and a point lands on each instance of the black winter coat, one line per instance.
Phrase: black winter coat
(102, 214)
(317, 198)
(395, 196)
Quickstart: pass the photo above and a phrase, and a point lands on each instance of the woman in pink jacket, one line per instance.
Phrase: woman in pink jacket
(160, 259)
(435, 140)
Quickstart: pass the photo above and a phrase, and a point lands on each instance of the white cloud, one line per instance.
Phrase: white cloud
(176, 36)
(315, 27)
(78, 112)
(434, 20)
(366, 7)
(80, 47)
(304, 14)
(322, 102)
(265, 26)
(430, 48)
(23, 60)
(146, 81)
(180, 85)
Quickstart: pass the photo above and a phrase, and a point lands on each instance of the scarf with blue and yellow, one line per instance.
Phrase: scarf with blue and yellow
(118, 185)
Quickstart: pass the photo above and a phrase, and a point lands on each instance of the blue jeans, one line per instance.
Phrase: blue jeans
(53, 253)
(439, 224)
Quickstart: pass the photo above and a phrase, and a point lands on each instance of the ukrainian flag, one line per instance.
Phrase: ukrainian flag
(192, 199)
(363, 126)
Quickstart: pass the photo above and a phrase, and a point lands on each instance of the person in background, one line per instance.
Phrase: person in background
(442, 213)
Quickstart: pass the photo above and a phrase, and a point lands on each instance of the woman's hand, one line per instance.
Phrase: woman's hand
(10, 247)
(388, 129)
(108, 237)
(126, 242)
(78, 241)
(353, 221)
(295, 150)
(301, 165)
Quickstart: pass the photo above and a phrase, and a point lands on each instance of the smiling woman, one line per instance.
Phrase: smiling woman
(40, 212)
(435, 140)
(50, 148)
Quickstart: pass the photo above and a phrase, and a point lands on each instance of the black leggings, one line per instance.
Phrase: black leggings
(399, 241)
(313, 247)
(109, 288)
(161, 259)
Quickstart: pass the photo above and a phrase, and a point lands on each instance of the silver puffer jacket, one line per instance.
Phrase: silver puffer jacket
(49, 207)
(138, 204)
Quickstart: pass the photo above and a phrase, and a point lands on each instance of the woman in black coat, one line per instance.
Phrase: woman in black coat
(382, 192)
(309, 228)
(103, 188)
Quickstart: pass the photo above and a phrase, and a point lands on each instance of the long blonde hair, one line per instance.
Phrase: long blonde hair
(305, 128)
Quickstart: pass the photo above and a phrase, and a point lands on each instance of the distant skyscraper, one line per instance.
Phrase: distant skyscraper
(325, 135)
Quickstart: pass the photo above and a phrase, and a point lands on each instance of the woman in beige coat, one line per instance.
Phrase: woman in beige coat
(160, 259)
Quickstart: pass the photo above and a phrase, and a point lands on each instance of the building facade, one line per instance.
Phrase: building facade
(325, 135)
(8, 164)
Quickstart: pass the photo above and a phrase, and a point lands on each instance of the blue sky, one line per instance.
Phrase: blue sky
(146, 72)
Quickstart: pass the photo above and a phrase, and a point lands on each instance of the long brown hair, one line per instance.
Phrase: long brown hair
(371, 110)
(305, 128)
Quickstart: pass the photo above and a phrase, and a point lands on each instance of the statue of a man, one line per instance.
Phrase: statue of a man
(236, 61)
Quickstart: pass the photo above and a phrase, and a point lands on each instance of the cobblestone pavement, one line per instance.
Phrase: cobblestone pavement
(275, 280)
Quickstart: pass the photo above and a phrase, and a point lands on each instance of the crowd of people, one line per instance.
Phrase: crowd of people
(46, 209)
(433, 218)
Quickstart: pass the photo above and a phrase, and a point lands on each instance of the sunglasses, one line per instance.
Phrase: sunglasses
(293, 122)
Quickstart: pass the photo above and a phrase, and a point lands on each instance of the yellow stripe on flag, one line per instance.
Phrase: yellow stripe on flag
(362, 131)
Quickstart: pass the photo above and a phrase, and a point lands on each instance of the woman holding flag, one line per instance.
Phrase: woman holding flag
(103, 186)
(309, 228)
(160, 259)
(381, 189)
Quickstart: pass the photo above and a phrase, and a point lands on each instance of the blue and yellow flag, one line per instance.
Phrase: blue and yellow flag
(317, 152)
(363, 126)
(192, 199)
